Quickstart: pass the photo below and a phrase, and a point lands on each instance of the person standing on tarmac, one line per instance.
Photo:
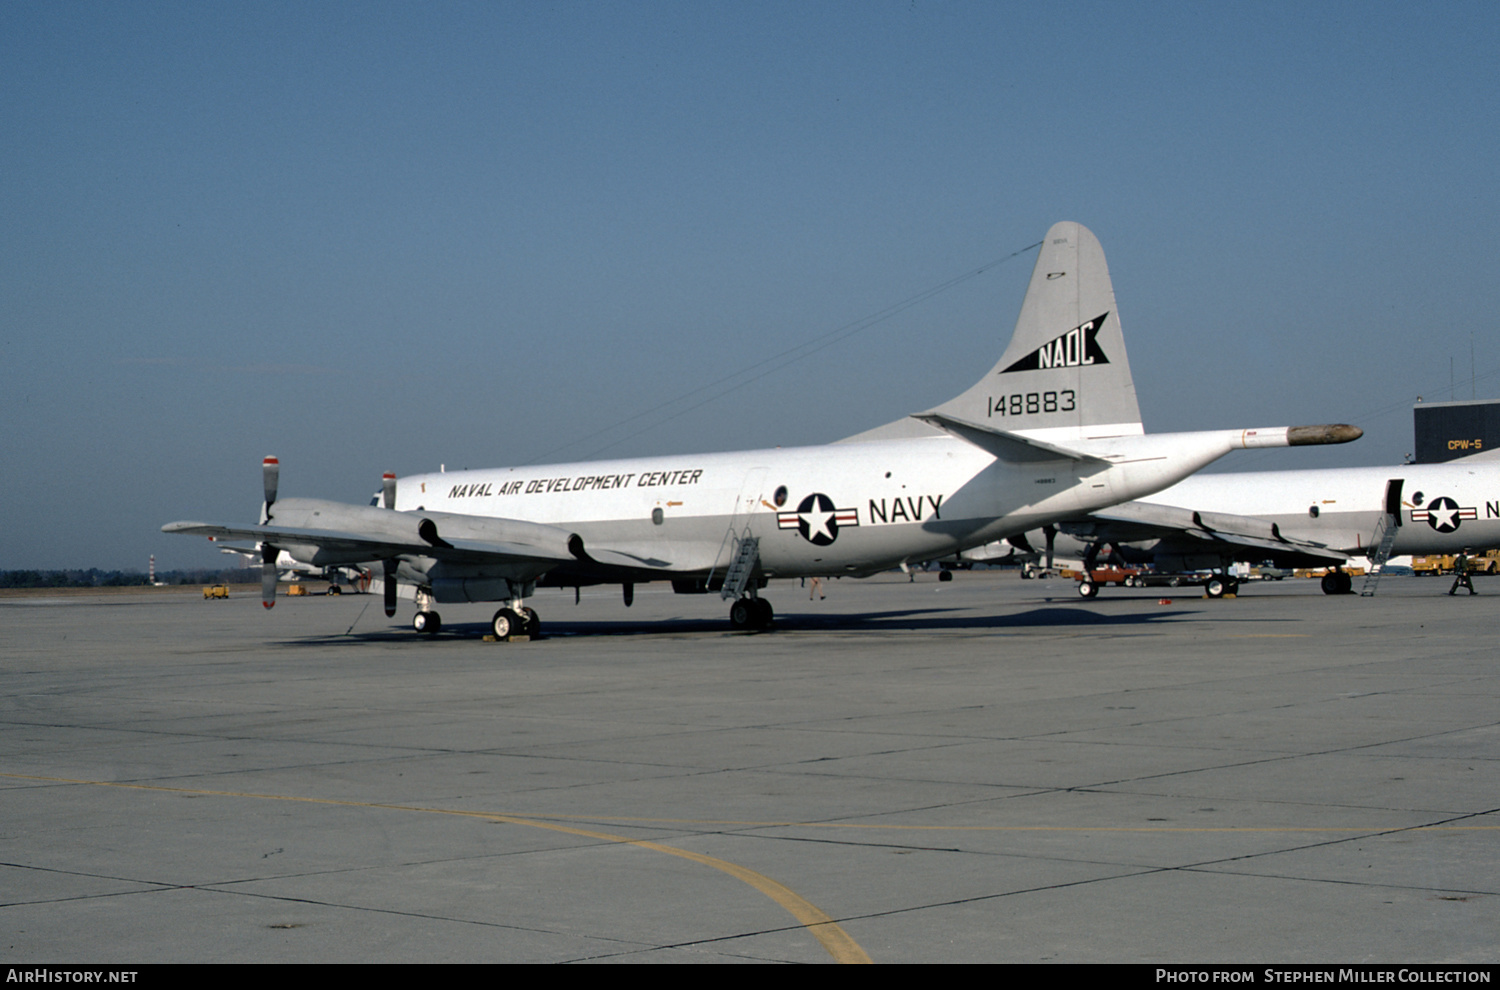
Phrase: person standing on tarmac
(1461, 574)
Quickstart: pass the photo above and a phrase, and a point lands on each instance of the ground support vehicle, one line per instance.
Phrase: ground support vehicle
(1215, 585)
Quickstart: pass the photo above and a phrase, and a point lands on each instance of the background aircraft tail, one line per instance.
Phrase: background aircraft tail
(1065, 375)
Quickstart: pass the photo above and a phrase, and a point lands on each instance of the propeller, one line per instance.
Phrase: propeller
(270, 470)
(271, 473)
(388, 484)
(1051, 533)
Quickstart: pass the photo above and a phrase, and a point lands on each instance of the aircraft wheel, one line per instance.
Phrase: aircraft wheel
(1214, 587)
(533, 622)
(1330, 583)
(742, 613)
(427, 622)
(762, 615)
(1346, 583)
(1088, 589)
(334, 589)
(945, 575)
(507, 624)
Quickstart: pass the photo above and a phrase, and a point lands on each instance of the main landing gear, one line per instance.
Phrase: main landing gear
(426, 620)
(1219, 585)
(751, 613)
(1336, 582)
(508, 623)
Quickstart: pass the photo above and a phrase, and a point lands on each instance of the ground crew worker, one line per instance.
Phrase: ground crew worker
(1461, 573)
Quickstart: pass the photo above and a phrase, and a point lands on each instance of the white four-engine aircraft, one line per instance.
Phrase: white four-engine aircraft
(1307, 518)
(1053, 431)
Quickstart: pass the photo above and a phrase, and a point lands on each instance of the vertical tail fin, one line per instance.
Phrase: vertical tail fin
(1065, 375)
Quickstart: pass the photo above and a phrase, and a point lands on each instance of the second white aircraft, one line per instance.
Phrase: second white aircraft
(1053, 431)
(1310, 518)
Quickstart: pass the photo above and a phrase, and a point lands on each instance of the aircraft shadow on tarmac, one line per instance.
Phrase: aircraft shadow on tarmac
(908, 620)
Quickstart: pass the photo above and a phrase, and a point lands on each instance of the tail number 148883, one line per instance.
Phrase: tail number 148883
(1031, 403)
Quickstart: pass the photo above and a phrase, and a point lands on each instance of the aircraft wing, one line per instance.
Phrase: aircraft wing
(1185, 528)
(352, 546)
(331, 533)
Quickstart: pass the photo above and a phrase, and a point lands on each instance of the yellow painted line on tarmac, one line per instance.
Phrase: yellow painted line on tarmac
(839, 944)
(833, 938)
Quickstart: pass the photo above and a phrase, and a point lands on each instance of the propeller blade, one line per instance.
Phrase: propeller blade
(268, 555)
(389, 484)
(270, 469)
(390, 588)
(1051, 533)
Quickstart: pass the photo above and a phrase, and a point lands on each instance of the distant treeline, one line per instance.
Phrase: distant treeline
(95, 578)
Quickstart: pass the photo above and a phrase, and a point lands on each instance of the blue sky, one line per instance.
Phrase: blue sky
(371, 237)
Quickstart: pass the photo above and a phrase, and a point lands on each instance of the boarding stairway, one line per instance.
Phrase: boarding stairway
(746, 556)
(1385, 536)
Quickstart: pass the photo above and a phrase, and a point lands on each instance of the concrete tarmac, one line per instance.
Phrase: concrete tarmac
(987, 770)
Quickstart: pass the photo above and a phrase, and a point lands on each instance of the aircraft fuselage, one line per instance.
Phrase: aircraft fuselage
(853, 508)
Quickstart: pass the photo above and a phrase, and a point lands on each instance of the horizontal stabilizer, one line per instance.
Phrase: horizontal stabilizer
(1010, 447)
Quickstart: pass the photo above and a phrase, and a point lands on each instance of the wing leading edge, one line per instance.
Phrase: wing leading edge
(329, 533)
